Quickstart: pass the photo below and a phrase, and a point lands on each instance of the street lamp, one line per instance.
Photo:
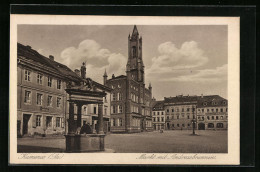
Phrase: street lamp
(193, 120)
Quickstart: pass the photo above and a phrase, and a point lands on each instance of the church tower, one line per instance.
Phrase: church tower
(135, 66)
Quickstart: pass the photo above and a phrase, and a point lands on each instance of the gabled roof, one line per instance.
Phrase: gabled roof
(31, 54)
(159, 105)
(211, 101)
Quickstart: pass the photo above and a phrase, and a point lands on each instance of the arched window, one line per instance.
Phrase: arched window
(219, 125)
(210, 125)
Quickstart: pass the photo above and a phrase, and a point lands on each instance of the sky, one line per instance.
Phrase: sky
(178, 59)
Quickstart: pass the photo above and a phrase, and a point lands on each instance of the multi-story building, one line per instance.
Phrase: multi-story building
(159, 115)
(41, 97)
(180, 111)
(208, 112)
(212, 112)
(130, 99)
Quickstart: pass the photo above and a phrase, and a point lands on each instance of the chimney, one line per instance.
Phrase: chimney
(201, 95)
(51, 57)
(83, 70)
(77, 72)
(113, 76)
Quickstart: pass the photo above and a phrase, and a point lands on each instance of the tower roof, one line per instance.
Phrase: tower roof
(135, 31)
(105, 74)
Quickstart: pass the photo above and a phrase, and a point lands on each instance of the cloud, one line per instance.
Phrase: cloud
(96, 58)
(170, 58)
(219, 74)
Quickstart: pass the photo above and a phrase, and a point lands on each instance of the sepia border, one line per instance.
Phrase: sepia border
(230, 158)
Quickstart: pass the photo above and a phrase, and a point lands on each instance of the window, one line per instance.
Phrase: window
(212, 117)
(212, 110)
(210, 125)
(167, 117)
(95, 110)
(207, 110)
(39, 79)
(162, 113)
(105, 111)
(114, 96)
(27, 75)
(119, 85)
(188, 116)
(178, 125)
(39, 99)
(182, 109)
(221, 110)
(219, 125)
(27, 96)
(58, 84)
(119, 96)
(202, 118)
(158, 119)
(153, 113)
(208, 117)
(120, 109)
(167, 110)
(226, 117)
(221, 117)
(224, 102)
(188, 109)
(162, 119)
(177, 110)
(48, 121)
(172, 110)
(120, 122)
(58, 122)
(85, 110)
(58, 102)
(202, 110)
(177, 116)
(114, 109)
(183, 125)
(49, 81)
(38, 120)
(154, 119)
(217, 110)
(226, 109)
(158, 113)
(205, 103)
(49, 101)
(216, 117)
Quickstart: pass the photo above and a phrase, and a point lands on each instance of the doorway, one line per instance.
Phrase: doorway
(26, 118)
(201, 126)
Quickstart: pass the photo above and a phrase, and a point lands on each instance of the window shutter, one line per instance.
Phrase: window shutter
(54, 123)
(34, 121)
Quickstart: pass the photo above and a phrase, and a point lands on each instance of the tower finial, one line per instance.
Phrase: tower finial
(105, 73)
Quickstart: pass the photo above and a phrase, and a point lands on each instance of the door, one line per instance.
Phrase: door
(201, 126)
(26, 118)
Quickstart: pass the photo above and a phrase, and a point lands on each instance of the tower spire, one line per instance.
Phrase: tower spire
(105, 77)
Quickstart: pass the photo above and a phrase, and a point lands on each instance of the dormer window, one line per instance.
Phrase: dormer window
(119, 85)
(205, 104)
(224, 102)
(113, 86)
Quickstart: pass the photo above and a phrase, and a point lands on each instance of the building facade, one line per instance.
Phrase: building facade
(180, 111)
(208, 112)
(130, 99)
(212, 113)
(41, 95)
(159, 116)
(42, 106)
